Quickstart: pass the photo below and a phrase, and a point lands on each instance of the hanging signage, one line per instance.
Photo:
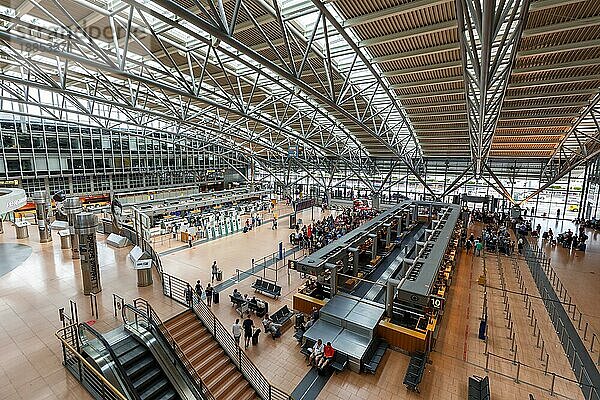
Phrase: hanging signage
(9, 183)
(437, 302)
(293, 151)
(12, 199)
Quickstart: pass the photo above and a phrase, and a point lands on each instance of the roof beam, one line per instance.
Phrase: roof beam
(392, 12)
(563, 26)
(545, 106)
(549, 116)
(557, 81)
(490, 33)
(437, 114)
(580, 92)
(436, 104)
(412, 33)
(431, 94)
(429, 82)
(588, 44)
(417, 53)
(424, 68)
(556, 67)
(546, 4)
(447, 122)
(533, 126)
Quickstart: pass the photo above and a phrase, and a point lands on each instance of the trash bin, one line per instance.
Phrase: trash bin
(144, 272)
(292, 221)
(219, 275)
(65, 239)
(215, 297)
(22, 229)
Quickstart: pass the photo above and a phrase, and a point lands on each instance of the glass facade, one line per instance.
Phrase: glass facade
(84, 159)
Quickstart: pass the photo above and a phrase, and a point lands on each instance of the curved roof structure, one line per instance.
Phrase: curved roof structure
(341, 81)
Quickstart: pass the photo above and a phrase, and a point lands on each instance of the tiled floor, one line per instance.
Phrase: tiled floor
(579, 273)
(30, 295)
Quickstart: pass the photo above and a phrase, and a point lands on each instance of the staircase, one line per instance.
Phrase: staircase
(148, 379)
(208, 359)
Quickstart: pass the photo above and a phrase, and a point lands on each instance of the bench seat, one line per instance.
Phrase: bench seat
(281, 316)
(267, 288)
(414, 372)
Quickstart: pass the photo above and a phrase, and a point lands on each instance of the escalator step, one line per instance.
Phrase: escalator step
(153, 390)
(146, 379)
(140, 366)
(125, 346)
(132, 356)
(168, 395)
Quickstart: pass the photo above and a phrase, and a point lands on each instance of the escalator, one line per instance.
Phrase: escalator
(127, 363)
(148, 379)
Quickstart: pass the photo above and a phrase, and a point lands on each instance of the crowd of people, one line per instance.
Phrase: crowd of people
(322, 232)
(570, 240)
(495, 235)
(588, 223)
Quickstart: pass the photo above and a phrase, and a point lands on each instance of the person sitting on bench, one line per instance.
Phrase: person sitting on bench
(315, 352)
(326, 357)
(237, 294)
(271, 327)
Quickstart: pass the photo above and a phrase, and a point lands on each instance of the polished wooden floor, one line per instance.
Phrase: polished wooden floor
(30, 295)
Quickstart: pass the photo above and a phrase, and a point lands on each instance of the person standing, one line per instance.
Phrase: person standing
(469, 245)
(520, 245)
(478, 248)
(209, 294)
(236, 330)
(248, 324)
(215, 271)
(189, 296)
(199, 290)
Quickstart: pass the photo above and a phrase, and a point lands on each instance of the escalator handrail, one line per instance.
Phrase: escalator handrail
(155, 325)
(86, 365)
(118, 366)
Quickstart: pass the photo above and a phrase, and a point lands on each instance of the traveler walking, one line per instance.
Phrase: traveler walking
(209, 295)
(248, 324)
(198, 290)
(236, 330)
(215, 271)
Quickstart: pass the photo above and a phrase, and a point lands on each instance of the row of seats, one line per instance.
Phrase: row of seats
(243, 305)
(375, 356)
(479, 388)
(414, 372)
(281, 316)
(339, 362)
(267, 288)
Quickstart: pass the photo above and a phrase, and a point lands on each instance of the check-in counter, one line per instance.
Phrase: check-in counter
(305, 304)
(403, 338)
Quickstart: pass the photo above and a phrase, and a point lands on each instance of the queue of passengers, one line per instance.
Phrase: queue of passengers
(488, 217)
(322, 232)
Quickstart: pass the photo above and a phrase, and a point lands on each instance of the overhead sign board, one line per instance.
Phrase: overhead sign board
(11, 199)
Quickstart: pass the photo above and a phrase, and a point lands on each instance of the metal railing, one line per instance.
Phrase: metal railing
(533, 376)
(81, 369)
(145, 316)
(177, 287)
(104, 349)
(559, 316)
(537, 255)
